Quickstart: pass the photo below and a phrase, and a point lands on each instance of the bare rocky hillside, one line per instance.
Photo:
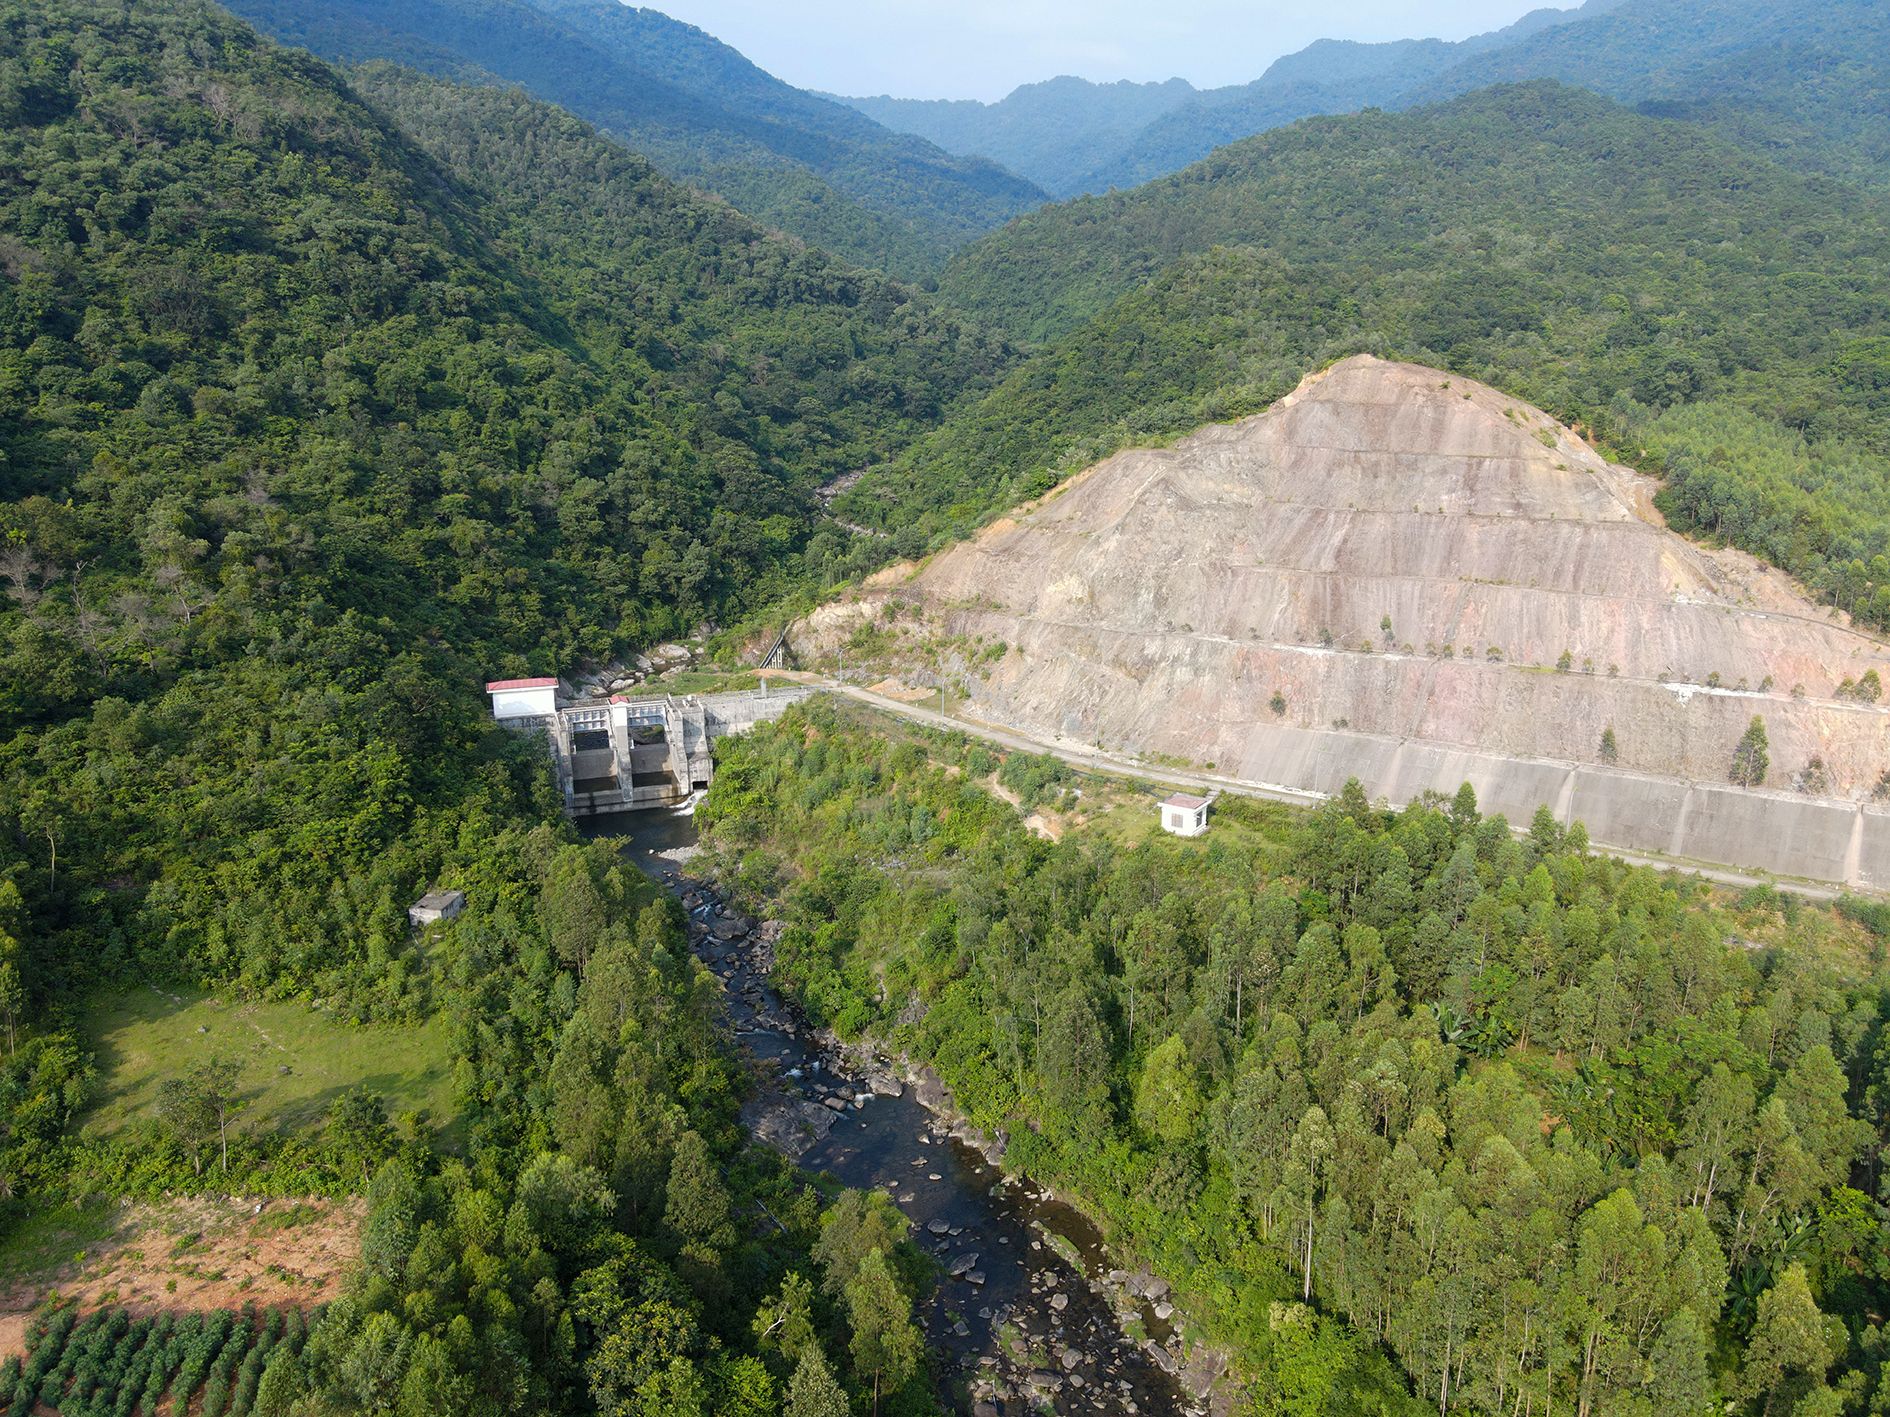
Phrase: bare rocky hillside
(1404, 557)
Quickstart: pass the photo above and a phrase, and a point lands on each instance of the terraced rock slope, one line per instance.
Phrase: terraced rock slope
(1378, 577)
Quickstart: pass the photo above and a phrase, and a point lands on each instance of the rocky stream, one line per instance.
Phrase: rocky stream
(1028, 1313)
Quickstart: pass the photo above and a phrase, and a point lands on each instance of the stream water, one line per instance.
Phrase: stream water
(1034, 1319)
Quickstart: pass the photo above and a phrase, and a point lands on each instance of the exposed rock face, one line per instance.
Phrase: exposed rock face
(1163, 597)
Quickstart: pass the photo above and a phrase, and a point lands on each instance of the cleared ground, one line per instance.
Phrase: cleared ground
(296, 1061)
(193, 1253)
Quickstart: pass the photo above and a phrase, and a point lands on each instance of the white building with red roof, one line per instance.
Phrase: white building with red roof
(523, 698)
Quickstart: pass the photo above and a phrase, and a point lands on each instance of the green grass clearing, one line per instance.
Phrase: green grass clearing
(51, 1237)
(143, 1036)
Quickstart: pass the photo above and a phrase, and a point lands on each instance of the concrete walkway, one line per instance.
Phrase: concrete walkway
(1092, 759)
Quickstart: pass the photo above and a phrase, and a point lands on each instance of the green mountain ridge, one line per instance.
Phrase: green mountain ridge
(1640, 49)
(701, 112)
(309, 428)
(1589, 258)
(1074, 136)
(1773, 78)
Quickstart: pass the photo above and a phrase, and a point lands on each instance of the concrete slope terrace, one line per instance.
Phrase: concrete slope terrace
(1158, 601)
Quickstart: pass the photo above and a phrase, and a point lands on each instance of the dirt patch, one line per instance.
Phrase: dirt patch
(902, 691)
(193, 1254)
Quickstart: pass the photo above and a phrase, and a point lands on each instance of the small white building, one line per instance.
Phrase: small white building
(435, 906)
(1184, 815)
(523, 698)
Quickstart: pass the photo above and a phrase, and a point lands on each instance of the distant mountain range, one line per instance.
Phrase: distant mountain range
(1780, 79)
(1071, 136)
(702, 113)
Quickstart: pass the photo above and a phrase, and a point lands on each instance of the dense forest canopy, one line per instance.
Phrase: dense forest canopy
(789, 160)
(1553, 1132)
(326, 396)
(311, 425)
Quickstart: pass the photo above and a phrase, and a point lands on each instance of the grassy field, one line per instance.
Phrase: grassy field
(295, 1061)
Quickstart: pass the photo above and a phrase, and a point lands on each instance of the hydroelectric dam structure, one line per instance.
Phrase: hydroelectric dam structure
(632, 752)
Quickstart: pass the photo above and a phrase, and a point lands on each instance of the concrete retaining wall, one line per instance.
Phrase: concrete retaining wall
(1780, 833)
(731, 713)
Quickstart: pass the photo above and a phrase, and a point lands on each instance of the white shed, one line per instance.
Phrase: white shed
(523, 698)
(1184, 815)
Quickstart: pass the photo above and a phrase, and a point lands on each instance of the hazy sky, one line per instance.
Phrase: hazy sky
(985, 48)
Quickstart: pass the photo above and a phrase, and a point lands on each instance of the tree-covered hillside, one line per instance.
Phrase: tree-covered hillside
(1054, 132)
(1327, 76)
(1548, 184)
(706, 116)
(1643, 48)
(308, 430)
(1550, 1132)
(1806, 108)
(1603, 264)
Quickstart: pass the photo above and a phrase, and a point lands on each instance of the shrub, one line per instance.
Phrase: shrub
(1610, 751)
(1566, 662)
(1277, 703)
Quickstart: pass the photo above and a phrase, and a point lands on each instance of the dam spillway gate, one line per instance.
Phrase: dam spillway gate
(654, 751)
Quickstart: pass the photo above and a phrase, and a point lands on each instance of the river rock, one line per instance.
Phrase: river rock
(1204, 1366)
(888, 1086)
(1162, 1311)
(930, 1091)
(790, 1125)
(1163, 1358)
(834, 1103)
(1059, 1302)
(963, 1263)
(985, 1409)
(937, 1226)
(1069, 1357)
(976, 1276)
(1041, 1379)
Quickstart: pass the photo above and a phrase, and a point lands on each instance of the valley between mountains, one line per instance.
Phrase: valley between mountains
(1375, 898)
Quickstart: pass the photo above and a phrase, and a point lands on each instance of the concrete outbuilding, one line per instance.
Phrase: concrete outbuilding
(523, 698)
(1184, 815)
(435, 907)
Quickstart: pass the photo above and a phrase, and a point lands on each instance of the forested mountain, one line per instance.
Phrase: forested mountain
(1073, 136)
(1553, 1132)
(1643, 48)
(1790, 82)
(1591, 259)
(1328, 76)
(1806, 108)
(701, 112)
(309, 427)
(1054, 132)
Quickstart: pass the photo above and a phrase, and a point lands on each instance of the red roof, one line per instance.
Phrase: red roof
(521, 684)
(1182, 799)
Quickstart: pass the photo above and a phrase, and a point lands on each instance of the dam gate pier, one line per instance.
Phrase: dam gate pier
(633, 752)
